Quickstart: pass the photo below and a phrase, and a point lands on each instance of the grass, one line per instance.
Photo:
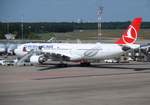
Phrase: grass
(92, 34)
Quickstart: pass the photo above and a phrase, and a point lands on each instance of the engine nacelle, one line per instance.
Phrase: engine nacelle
(37, 59)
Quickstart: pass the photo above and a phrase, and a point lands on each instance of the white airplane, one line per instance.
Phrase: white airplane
(81, 52)
(11, 47)
(2, 49)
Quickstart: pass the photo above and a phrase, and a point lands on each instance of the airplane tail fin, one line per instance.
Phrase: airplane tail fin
(130, 36)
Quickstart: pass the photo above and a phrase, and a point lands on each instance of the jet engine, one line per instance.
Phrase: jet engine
(37, 59)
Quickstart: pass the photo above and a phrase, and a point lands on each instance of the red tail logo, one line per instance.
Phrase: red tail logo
(130, 36)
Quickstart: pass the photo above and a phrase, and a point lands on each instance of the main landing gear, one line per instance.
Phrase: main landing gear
(62, 65)
(85, 64)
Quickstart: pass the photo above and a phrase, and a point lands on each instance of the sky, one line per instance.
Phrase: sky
(72, 10)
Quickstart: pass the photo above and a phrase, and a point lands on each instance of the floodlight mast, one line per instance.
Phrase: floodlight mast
(22, 27)
(99, 18)
(7, 27)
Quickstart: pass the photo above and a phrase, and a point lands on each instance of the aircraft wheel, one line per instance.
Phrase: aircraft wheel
(62, 65)
(85, 64)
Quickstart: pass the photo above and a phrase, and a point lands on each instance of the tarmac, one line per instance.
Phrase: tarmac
(99, 84)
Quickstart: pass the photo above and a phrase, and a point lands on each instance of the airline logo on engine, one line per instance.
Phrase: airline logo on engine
(130, 36)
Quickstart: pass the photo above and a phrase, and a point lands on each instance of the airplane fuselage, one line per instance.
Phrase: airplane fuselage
(74, 50)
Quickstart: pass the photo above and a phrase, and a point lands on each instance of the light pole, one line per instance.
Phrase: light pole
(22, 27)
(7, 27)
(99, 18)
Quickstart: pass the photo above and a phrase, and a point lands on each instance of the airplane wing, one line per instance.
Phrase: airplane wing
(71, 55)
(57, 55)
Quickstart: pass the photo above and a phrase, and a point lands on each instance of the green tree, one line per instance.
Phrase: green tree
(2, 35)
(32, 35)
